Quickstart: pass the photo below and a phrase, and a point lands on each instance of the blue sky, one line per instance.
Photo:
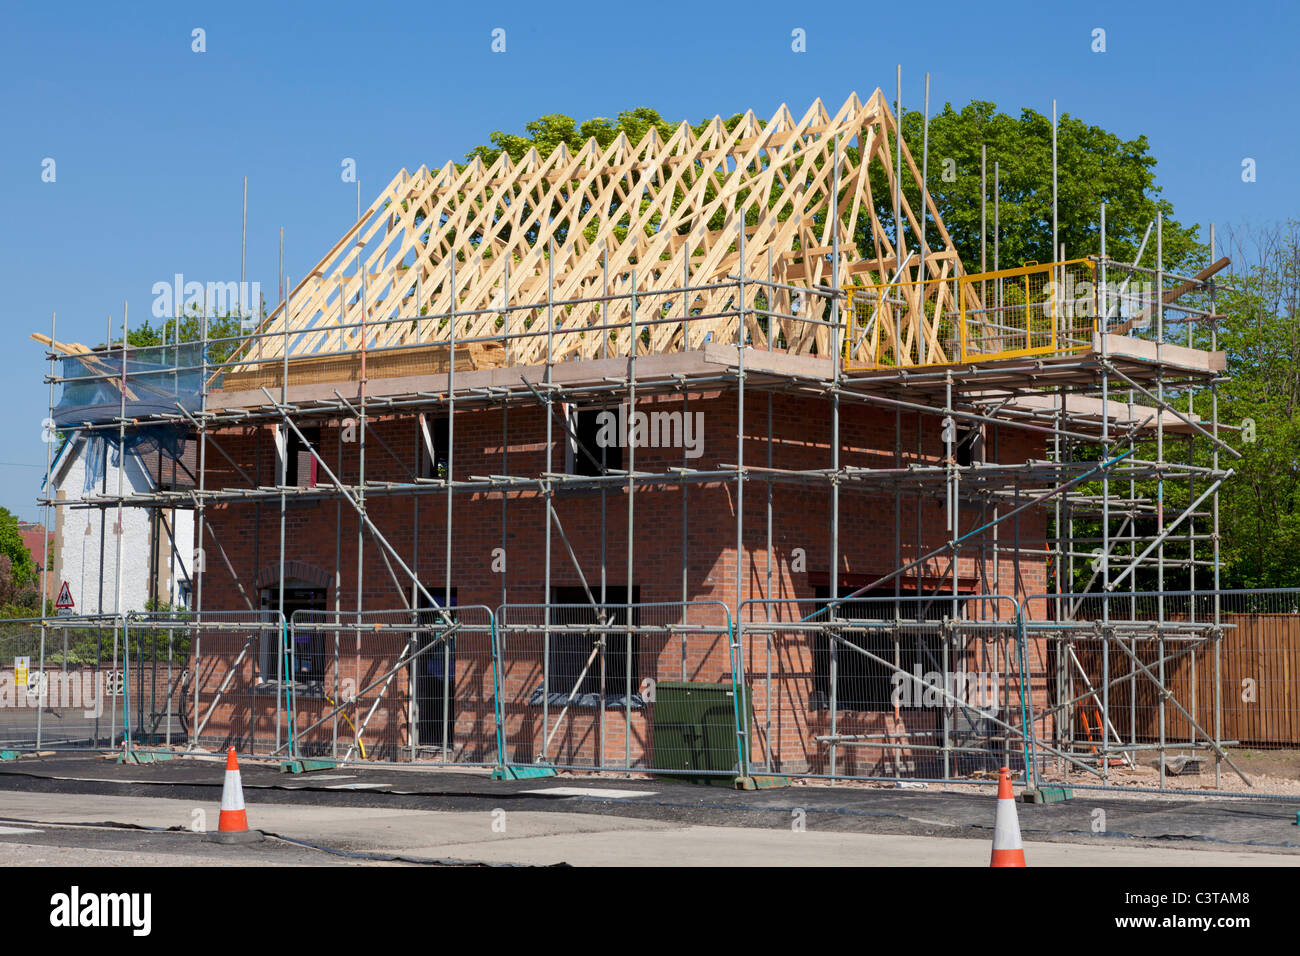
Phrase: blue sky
(151, 140)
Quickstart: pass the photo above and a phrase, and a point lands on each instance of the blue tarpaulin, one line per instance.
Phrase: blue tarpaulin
(160, 380)
(140, 440)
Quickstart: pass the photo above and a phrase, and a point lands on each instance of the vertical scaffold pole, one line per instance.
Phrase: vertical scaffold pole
(604, 499)
(1218, 621)
(548, 491)
(833, 218)
(451, 471)
(984, 189)
(950, 453)
(1160, 478)
(200, 561)
(117, 571)
(362, 434)
(48, 434)
(1105, 509)
(898, 171)
(631, 500)
(738, 700)
(925, 184)
(285, 680)
(338, 556)
(1055, 240)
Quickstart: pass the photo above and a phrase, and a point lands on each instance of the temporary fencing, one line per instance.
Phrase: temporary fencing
(389, 685)
(1176, 680)
(1122, 690)
(888, 688)
(62, 682)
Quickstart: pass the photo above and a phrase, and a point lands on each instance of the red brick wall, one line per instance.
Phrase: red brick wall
(34, 537)
(416, 526)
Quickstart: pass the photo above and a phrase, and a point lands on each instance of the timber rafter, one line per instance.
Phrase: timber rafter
(667, 209)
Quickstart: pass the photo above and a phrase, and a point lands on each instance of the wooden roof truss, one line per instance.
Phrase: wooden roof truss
(481, 240)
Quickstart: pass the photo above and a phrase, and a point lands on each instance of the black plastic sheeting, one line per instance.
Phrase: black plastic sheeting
(558, 700)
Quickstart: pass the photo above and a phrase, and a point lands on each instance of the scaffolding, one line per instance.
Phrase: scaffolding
(712, 264)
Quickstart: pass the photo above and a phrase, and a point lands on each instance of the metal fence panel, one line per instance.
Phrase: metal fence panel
(902, 324)
(1084, 688)
(1151, 686)
(389, 685)
(61, 683)
(1035, 310)
(222, 681)
(1039, 309)
(883, 688)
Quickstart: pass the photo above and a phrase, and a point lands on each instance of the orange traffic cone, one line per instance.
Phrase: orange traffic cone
(1007, 850)
(232, 827)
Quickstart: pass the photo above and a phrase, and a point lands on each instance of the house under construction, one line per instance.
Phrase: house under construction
(541, 449)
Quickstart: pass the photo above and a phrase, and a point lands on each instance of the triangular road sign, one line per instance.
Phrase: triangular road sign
(65, 597)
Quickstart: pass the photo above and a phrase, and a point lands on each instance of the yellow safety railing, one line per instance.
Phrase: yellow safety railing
(902, 324)
(1038, 309)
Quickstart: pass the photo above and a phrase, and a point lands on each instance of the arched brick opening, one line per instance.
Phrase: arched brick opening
(308, 574)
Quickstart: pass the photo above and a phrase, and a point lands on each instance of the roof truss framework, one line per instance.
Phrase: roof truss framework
(480, 241)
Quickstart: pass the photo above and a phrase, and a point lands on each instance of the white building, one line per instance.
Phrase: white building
(157, 552)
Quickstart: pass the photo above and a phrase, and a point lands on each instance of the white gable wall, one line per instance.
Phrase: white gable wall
(91, 568)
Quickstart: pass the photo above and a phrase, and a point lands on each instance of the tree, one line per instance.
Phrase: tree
(1261, 334)
(1093, 166)
(547, 132)
(1259, 415)
(18, 570)
(227, 327)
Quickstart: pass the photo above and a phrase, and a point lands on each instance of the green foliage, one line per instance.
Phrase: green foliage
(220, 327)
(1259, 415)
(1093, 166)
(1261, 502)
(91, 645)
(547, 132)
(22, 571)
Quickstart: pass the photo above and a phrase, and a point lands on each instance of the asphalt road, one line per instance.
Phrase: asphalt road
(89, 811)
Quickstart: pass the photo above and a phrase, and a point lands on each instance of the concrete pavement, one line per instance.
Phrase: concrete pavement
(509, 836)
